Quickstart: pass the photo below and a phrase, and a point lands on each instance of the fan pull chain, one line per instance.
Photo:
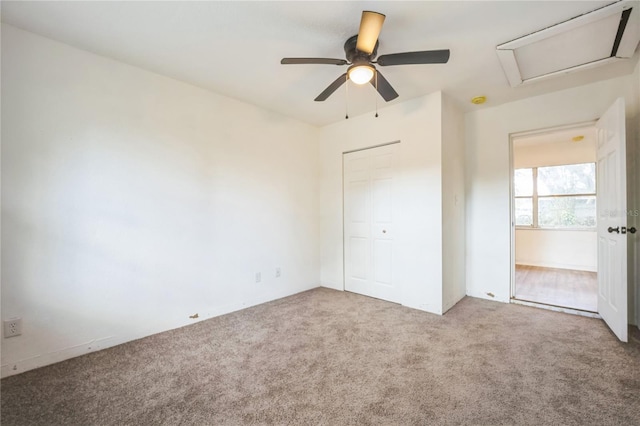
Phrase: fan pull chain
(376, 95)
(346, 90)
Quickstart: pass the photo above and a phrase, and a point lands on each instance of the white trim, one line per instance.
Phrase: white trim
(370, 147)
(512, 215)
(512, 137)
(555, 265)
(531, 228)
(571, 70)
(510, 66)
(42, 360)
(626, 48)
(557, 308)
(630, 37)
(565, 26)
(548, 130)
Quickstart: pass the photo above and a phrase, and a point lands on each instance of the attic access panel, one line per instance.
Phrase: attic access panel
(593, 39)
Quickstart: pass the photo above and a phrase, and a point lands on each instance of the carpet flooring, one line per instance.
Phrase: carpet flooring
(325, 357)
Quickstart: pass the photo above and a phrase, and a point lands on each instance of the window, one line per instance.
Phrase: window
(556, 197)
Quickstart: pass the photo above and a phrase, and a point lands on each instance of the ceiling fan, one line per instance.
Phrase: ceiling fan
(361, 50)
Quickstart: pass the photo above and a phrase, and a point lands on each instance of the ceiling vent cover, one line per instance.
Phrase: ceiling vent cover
(593, 39)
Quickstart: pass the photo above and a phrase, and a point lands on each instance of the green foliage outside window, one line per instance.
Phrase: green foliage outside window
(556, 196)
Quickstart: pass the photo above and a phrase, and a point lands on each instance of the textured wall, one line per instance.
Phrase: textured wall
(131, 201)
(487, 168)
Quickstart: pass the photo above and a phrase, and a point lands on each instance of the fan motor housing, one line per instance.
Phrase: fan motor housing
(354, 55)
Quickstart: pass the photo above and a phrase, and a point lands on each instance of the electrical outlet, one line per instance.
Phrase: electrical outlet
(258, 277)
(278, 272)
(12, 327)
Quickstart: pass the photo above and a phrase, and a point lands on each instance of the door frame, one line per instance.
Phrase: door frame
(364, 149)
(512, 219)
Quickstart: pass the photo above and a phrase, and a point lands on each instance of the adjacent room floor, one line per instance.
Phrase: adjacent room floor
(559, 287)
(330, 357)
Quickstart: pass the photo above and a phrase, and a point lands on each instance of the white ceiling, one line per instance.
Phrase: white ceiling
(234, 48)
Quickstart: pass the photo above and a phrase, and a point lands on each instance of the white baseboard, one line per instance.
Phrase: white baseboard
(49, 358)
(488, 295)
(42, 360)
(333, 286)
(588, 268)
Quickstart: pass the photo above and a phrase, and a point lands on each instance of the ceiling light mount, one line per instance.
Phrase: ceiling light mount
(479, 100)
(354, 55)
(361, 72)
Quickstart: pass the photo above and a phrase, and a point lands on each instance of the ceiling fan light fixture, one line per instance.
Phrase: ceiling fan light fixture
(361, 51)
(361, 74)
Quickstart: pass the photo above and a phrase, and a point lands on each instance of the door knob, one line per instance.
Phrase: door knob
(632, 230)
(612, 230)
(384, 231)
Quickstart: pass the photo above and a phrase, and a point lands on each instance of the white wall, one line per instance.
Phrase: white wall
(553, 154)
(453, 204)
(417, 125)
(131, 201)
(564, 249)
(487, 178)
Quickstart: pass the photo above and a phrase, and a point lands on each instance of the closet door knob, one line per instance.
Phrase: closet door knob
(632, 230)
(612, 230)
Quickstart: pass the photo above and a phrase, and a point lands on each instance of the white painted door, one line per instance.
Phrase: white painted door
(369, 212)
(612, 217)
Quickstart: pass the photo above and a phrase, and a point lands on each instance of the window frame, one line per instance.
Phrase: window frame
(535, 198)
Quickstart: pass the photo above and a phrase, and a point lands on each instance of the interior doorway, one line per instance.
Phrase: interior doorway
(554, 198)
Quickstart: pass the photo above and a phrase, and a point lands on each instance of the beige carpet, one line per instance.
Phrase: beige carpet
(333, 358)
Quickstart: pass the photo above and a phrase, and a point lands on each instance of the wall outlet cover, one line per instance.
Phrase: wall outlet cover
(12, 327)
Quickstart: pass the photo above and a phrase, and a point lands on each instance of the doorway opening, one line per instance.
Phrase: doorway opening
(554, 217)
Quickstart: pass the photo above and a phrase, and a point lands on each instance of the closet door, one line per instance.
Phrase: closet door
(369, 212)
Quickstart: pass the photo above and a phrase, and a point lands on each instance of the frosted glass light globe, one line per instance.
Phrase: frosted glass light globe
(361, 74)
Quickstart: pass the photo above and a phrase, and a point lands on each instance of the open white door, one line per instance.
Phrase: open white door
(612, 219)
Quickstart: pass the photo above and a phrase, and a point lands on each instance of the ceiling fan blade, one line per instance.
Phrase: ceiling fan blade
(327, 61)
(424, 57)
(332, 88)
(384, 88)
(370, 26)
